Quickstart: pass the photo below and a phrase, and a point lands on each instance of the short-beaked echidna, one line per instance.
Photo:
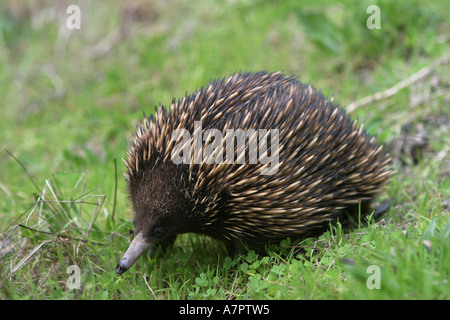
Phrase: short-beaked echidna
(326, 165)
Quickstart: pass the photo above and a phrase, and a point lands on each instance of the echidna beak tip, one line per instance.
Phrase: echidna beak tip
(120, 268)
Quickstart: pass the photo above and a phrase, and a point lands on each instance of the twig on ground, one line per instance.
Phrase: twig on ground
(145, 276)
(422, 73)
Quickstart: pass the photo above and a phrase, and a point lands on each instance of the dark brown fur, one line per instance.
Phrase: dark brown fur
(328, 166)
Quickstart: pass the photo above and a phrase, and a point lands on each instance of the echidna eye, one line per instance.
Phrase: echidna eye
(158, 231)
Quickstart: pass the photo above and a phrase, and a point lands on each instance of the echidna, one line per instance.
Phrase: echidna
(183, 176)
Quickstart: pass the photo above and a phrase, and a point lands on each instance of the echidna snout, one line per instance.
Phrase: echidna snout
(137, 248)
(327, 166)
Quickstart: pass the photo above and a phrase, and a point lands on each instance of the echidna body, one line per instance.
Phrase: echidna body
(327, 166)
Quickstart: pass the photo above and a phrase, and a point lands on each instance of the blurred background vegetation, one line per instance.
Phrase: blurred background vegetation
(69, 99)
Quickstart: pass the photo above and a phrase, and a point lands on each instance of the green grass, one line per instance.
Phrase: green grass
(67, 110)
